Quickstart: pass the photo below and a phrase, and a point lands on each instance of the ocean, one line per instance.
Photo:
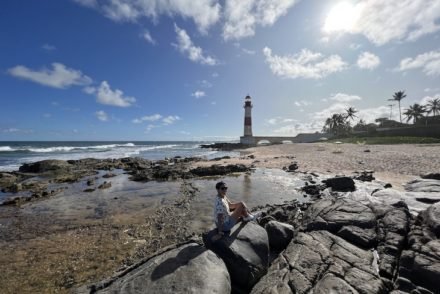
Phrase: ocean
(14, 154)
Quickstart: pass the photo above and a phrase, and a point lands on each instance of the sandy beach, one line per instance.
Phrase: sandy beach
(75, 237)
(391, 163)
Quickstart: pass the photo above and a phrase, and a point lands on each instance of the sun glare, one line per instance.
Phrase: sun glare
(341, 17)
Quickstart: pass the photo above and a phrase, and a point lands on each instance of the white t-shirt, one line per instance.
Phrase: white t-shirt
(221, 206)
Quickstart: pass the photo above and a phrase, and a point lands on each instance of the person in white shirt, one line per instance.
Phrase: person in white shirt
(227, 213)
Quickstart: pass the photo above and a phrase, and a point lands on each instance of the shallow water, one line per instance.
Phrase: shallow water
(261, 187)
(128, 202)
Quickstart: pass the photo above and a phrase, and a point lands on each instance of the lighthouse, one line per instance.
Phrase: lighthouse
(247, 137)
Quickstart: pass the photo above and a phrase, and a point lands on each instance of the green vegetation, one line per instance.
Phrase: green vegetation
(386, 140)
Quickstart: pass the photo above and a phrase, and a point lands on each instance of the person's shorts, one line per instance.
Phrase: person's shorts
(227, 226)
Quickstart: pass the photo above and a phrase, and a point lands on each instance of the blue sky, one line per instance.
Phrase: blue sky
(179, 70)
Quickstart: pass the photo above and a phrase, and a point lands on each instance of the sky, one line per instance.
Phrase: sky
(180, 69)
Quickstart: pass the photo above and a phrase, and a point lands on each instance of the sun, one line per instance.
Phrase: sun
(342, 17)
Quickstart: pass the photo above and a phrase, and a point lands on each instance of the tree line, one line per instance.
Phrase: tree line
(340, 123)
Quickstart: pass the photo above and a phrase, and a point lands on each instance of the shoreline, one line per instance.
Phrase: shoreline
(117, 225)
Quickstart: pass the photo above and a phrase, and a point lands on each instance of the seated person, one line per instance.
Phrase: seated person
(227, 213)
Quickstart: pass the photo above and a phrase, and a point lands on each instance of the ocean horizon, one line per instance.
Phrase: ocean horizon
(13, 154)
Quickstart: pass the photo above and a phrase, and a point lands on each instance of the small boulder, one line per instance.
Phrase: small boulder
(245, 251)
(280, 234)
(341, 184)
(105, 185)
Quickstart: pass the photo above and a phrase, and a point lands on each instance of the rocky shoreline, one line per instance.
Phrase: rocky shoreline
(336, 243)
(355, 235)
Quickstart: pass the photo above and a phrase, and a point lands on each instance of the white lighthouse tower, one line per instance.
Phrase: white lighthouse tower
(247, 137)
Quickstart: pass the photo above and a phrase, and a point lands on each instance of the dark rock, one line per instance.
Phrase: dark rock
(342, 184)
(420, 263)
(218, 170)
(190, 268)
(245, 251)
(332, 215)
(314, 190)
(45, 166)
(388, 185)
(292, 167)
(432, 176)
(90, 182)
(109, 175)
(88, 190)
(319, 262)
(105, 185)
(251, 156)
(364, 176)
(225, 146)
(367, 150)
(280, 234)
(423, 186)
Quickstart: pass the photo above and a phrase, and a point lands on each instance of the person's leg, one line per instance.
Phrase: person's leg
(240, 211)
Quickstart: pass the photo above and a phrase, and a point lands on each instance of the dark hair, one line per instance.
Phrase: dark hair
(219, 185)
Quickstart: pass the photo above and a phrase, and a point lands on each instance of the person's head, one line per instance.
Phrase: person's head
(221, 188)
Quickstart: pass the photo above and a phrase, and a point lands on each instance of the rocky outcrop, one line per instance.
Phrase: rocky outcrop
(190, 268)
(219, 170)
(420, 262)
(245, 252)
(320, 262)
(45, 166)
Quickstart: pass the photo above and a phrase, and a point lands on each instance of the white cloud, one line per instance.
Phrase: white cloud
(215, 75)
(426, 99)
(429, 62)
(305, 64)
(153, 117)
(59, 76)
(247, 51)
(194, 53)
(185, 133)
(198, 94)
(48, 47)
(10, 130)
(205, 84)
(170, 119)
(105, 95)
(149, 128)
(87, 3)
(278, 120)
(384, 21)
(297, 128)
(147, 36)
(341, 97)
(367, 60)
(204, 13)
(243, 16)
(301, 103)
(101, 115)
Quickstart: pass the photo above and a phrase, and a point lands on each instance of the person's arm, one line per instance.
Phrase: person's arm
(220, 221)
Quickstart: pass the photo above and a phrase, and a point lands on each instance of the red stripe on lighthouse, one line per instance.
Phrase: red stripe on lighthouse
(247, 121)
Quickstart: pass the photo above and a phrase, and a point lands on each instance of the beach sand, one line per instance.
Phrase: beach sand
(396, 164)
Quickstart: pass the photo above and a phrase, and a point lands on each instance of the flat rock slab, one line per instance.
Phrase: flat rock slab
(321, 262)
(187, 269)
(423, 185)
(245, 252)
(333, 214)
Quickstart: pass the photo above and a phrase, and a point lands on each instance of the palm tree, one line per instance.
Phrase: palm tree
(414, 112)
(397, 97)
(351, 111)
(433, 106)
